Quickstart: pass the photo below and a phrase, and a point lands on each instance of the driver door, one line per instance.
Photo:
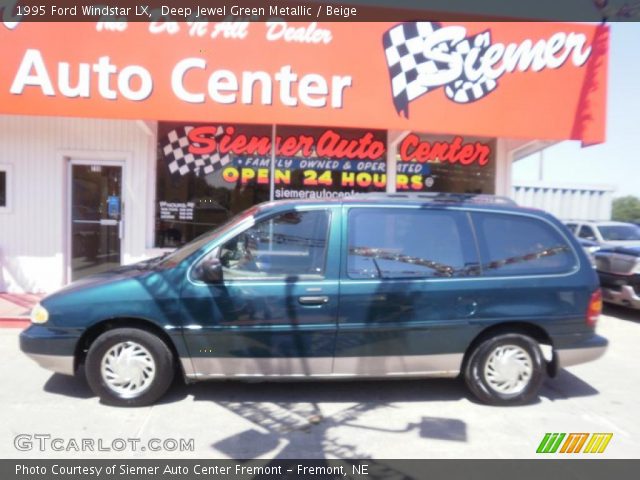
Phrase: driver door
(274, 310)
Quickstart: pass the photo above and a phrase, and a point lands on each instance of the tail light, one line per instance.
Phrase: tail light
(595, 308)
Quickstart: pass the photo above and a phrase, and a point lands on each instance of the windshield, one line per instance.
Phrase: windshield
(620, 232)
(174, 258)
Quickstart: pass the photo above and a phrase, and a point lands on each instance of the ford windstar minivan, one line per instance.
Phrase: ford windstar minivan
(376, 286)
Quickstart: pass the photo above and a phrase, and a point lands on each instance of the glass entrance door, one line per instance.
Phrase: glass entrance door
(96, 218)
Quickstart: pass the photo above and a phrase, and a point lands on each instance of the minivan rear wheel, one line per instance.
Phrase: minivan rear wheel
(506, 369)
(129, 367)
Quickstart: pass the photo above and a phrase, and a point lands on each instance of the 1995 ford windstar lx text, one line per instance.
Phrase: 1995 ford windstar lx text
(379, 286)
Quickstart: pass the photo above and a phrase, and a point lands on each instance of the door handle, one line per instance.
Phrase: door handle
(313, 300)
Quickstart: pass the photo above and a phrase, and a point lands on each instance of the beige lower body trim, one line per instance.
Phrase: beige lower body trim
(442, 365)
(57, 363)
(223, 367)
(575, 356)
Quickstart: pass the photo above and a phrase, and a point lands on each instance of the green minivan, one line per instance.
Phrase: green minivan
(374, 286)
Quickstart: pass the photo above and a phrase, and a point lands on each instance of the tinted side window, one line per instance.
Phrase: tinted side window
(404, 243)
(514, 245)
(586, 232)
(292, 243)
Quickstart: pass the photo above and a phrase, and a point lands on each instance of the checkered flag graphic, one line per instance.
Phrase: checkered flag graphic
(404, 47)
(413, 75)
(463, 90)
(175, 148)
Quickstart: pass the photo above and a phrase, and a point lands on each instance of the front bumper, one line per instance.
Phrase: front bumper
(55, 363)
(624, 295)
(587, 351)
(50, 348)
(620, 289)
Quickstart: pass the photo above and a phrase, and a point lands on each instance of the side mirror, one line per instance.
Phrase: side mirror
(212, 270)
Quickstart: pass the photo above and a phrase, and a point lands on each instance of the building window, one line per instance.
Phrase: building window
(329, 162)
(4, 187)
(193, 194)
(450, 163)
(209, 172)
(206, 173)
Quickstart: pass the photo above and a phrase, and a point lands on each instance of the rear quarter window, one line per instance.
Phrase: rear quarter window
(572, 227)
(517, 245)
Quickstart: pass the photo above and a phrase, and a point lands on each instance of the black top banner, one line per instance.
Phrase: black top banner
(317, 10)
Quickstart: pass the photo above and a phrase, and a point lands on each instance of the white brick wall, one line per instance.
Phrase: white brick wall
(33, 232)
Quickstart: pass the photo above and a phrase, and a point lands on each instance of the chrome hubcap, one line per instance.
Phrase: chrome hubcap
(508, 369)
(128, 369)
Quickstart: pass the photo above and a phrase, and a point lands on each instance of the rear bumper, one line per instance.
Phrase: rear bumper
(50, 348)
(587, 351)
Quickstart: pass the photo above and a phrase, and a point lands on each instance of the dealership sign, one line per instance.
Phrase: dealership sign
(359, 158)
(423, 56)
(525, 80)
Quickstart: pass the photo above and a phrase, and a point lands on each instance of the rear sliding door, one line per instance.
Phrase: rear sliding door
(406, 291)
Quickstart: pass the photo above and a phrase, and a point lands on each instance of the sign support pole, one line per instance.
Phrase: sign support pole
(272, 167)
(394, 137)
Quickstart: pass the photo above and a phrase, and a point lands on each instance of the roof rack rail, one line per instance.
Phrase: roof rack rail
(444, 197)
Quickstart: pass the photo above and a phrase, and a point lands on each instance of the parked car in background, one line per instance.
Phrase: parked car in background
(375, 286)
(607, 233)
(619, 272)
(590, 247)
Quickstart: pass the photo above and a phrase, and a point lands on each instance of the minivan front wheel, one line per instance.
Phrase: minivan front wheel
(129, 367)
(507, 369)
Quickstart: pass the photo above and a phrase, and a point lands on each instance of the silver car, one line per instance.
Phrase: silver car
(606, 233)
(619, 272)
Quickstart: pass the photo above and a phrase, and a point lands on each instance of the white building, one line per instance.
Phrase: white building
(566, 201)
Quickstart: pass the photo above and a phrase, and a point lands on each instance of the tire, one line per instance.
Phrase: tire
(129, 367)
(507, 369)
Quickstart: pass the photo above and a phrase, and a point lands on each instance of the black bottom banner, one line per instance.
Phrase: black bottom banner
(582, 469)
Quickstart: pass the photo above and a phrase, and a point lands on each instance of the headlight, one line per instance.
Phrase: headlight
(39, 314)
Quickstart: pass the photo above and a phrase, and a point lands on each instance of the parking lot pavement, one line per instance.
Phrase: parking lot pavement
(363, 419)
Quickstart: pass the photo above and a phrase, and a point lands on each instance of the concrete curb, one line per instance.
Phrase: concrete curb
(14, 322)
